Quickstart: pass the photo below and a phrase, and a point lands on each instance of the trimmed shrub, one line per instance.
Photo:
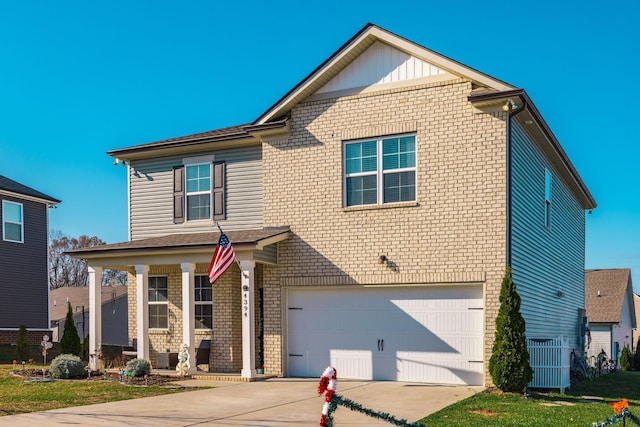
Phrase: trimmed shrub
(22, 345)
(67, 362)
(138, 367)
(509, 364)
(70, 341)
(625, 358)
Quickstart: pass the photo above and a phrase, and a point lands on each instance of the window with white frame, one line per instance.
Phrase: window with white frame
(198, 191)
(12, 222)
(380, 171)
(158, 302)
(547, 198)
(203, 303)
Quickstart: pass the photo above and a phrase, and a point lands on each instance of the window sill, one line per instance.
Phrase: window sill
(385, 206)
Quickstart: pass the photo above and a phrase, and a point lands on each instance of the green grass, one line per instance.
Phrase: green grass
(18, 396)
(506, 409)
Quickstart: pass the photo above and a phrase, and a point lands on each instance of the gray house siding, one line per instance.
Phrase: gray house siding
(114, 322)
(545, 260)
(151, 194)
(24, 281)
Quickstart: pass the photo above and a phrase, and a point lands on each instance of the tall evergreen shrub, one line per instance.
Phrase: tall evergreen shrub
(70, 342)
(625, 358)
(22, 345)
(509, 364)
(636, 357)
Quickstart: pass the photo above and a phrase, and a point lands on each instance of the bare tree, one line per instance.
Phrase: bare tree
(65, 270)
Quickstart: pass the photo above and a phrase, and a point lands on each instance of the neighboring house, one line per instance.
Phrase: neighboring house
(24, 272)
(372, 209)
(610, 309)
(114, 312)
(635, 333)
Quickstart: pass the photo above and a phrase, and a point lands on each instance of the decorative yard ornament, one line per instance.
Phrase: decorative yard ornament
(328, 384)
(183, 366)
(46, 345)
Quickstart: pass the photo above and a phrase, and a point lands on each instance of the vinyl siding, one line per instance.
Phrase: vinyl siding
(151, 194)
(24, 278)
(545, 260)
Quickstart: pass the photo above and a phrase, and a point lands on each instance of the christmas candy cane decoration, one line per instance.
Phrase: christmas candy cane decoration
(328, 384)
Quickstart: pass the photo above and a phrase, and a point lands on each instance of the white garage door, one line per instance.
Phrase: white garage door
(417, 334)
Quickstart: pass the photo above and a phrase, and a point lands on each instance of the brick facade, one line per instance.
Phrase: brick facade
(454, 233)
(226, 337)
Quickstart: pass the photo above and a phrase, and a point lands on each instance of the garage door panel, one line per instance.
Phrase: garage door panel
(431, 334)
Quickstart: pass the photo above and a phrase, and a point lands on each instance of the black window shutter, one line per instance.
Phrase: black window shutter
(178, 194)
(219, 211)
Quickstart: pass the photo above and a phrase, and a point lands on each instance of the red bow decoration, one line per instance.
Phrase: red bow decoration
(618, 406)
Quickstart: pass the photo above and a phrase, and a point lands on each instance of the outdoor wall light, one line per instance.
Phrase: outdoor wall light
(509, 105)
(560, 294)
(382, 259)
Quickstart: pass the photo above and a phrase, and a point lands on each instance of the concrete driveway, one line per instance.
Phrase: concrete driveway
(275, 402)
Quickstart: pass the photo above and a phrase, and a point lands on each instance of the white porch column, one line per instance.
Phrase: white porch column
(95, 315)
(248, 320)
(188, 312)
(142, 311)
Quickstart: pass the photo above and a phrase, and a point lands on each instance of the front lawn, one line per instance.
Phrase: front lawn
(20, 395)
(574, 408)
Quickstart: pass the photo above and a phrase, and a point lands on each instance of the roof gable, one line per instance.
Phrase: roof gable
(372, 45)
(605, 292)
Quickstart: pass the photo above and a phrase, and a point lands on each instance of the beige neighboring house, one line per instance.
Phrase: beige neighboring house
(636, 331)
(611, 310)
(114, 312)
(372, 210)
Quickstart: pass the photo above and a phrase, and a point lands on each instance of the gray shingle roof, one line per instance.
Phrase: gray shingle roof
(15, 187)
(611, 284)
(186, 240)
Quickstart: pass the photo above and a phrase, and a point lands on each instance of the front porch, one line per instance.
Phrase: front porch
(164, 274)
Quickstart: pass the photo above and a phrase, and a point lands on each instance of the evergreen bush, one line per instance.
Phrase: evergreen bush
(70, 342)
(138, 367)
(636, 356)
(509, 363)
(625, 358)
(67, 363)
(22, 345)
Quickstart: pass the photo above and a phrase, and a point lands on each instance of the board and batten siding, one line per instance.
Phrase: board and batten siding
(151, 194)
(545, 260)
(24, 273)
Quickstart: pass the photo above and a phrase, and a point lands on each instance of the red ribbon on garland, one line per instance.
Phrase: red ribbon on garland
(328, 384)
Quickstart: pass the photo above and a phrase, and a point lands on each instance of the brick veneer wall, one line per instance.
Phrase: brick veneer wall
(454, 233)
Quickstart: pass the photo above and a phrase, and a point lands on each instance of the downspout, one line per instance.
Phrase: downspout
(511, 114)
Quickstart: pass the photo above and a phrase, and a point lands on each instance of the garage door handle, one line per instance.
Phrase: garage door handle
(382, 345)
(296, 355)
(475, 361)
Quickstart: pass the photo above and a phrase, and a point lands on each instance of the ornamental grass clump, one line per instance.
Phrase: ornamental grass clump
(138, 367)
(67, 366)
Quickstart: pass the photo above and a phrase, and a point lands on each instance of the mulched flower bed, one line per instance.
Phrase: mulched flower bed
(150, 380)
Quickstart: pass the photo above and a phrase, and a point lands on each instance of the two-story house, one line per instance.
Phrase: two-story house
(372, 209)
(24, 251)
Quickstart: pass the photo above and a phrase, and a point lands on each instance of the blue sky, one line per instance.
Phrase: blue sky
(78, 78)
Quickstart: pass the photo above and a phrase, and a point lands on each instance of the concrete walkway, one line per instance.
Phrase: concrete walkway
(275, 402)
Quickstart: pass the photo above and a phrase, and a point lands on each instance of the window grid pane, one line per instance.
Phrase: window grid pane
(198, 178)
(399, 187)
(199, 206)
(362, 190)
(203, 303)
(361, 157)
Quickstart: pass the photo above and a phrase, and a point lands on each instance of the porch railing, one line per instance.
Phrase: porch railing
(550, 361)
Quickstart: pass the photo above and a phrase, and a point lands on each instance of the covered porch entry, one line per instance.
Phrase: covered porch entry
(166, 287)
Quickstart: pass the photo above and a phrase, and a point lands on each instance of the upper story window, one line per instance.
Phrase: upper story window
(12, 222)
(380, 171)
(158, 302)
(198, 191)
(547, 198)
(203, 303)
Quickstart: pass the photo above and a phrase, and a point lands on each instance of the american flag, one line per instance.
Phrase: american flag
(222, 258)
